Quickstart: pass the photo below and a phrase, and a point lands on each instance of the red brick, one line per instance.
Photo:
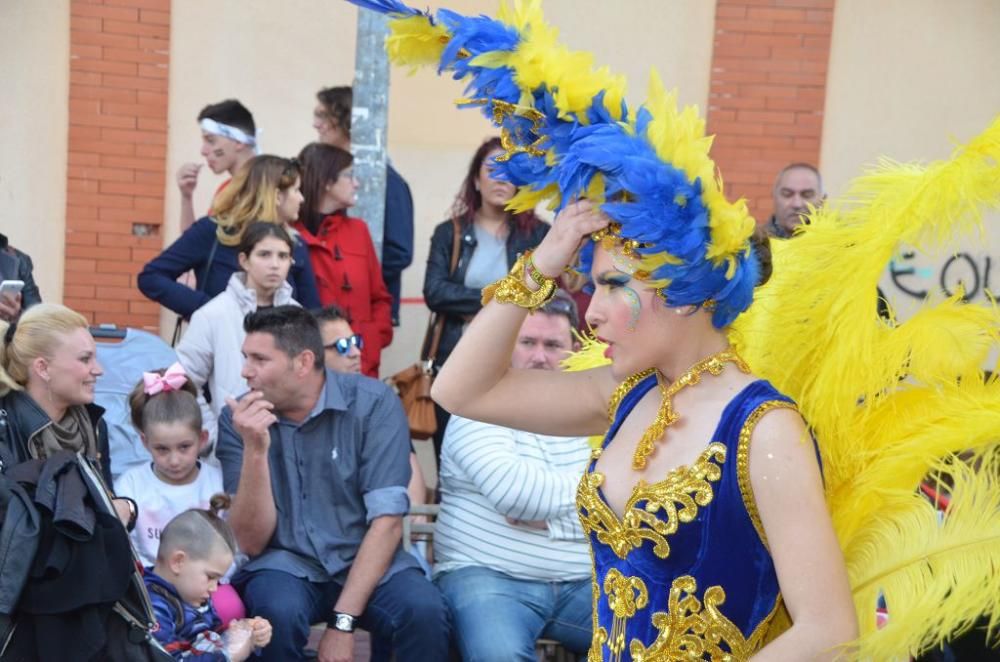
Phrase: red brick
(811, 144)
(144, 307)
(155, 44)
(105, 67)
(150, 178)
(793, 104)
(134, 82)
(85, 51)
(98, 147)
(149, 165)
(741, 50)
(803, 28)
(84, 106)
(724, 11)
(137, 29)
(123, 216)
(155, 17)
(101, 93)
(775, 41)
(75, 264)
(89, 253)
(115, 293)
(810, 79)
(814, 66)
(78, 291)
(140, 4)
(135, 55)
(789, 130)
(144, 255)
(152, 204)
(84, 78)
(738, 77)
(722, 116)
(151, 151)
(81, 24)
(131, 189)
(81, 186)
(103, 39)
(153, 70)
(83, 159)
(735, 128)
(765, 117)
(738, 101)
(817, 41)
(768, 91)
(81, 238)
(100, 200)
(805, 4)
(766, 142)
(75, 214)
(820, 15)
(133, 109)
(771, 14)
(117, 267)
(101, 120)
(102, 227)
(102, 12)
(109, 174)
(740, 26)
(134, 136)
(77, 133)
(150, 97)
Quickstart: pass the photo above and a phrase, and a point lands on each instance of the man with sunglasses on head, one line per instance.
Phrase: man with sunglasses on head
(512, 560)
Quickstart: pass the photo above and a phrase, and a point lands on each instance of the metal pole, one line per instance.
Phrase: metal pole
(369, 121)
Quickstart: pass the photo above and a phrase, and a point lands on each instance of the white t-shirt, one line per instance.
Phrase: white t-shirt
(160, 502)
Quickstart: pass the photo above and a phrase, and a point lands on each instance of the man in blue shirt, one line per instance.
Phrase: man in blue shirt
(318, 465)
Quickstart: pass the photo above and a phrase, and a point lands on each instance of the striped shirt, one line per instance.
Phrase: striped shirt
(489, 473)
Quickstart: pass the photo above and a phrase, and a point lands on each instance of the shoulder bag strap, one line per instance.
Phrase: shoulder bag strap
(435, 326)
(199, 287)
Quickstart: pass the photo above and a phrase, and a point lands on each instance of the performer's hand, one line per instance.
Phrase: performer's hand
(572, 226)
(252, 418)
(336, 646)
(187, 178)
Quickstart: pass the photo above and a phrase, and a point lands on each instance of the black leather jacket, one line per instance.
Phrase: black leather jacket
(447, 294)
(15, 265)
(21, 418)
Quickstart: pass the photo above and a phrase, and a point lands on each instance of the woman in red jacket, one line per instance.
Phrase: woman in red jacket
(341, 250)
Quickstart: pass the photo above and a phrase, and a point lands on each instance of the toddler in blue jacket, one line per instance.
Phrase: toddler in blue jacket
(196, 549)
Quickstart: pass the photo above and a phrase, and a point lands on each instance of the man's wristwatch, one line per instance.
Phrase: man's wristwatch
(343, 622)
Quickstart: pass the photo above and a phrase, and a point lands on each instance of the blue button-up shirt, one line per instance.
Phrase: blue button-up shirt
(331, 475)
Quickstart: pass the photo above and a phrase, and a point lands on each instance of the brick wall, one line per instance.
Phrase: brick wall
(768, 86)
(119, 53)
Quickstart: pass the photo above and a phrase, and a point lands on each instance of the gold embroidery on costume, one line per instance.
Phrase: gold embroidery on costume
(622, 390)
(679, 496)
(626, 595)
(743, 461)
(690, 629)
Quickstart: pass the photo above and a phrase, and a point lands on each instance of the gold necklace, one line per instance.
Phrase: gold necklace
(666, 416)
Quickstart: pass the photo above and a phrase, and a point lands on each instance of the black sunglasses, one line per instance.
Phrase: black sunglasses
(343, 345)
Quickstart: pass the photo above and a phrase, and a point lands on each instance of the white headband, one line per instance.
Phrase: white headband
(216, 128)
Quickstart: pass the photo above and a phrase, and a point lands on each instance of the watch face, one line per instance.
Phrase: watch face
(344, 622)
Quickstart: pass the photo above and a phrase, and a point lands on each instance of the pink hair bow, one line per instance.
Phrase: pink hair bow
(171, 380)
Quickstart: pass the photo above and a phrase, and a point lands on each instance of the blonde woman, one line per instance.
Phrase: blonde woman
(266, 189)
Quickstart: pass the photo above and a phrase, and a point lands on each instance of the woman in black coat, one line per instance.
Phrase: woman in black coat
(490, 239)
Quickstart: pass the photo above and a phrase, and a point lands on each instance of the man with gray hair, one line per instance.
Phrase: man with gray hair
(797, 186)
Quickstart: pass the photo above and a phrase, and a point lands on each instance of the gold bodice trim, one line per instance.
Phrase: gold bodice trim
(743, 461)
(679, 495)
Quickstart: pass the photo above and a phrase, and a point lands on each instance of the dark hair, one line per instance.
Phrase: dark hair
(176, 406)
(321, 164)
(331, 313)
(294, 330)
(761, 245)
(338, 101)
(257, 231)
(198, 532)
(230, 112)
(563, 304)
(469, 200)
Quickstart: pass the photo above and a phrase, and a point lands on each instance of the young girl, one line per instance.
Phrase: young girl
(266, 189)
(211, 349)
(166, 414)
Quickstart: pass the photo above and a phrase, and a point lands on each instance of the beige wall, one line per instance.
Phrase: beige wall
(34, 77)
(910, 79)
(275, 56)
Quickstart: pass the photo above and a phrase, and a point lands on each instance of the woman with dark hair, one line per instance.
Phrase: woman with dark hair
(266, 188)
(211, 349)
(341, 249)
(489, 240)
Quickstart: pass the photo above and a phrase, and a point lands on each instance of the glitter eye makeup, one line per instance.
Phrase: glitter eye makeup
(635, 307)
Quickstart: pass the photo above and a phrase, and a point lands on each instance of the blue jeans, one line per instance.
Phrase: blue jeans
(406, 610)
(497, 617)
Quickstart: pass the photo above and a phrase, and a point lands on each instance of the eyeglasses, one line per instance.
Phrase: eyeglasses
(343, 345)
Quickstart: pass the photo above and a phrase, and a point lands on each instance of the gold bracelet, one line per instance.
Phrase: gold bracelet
(512, 289)
(533, 271)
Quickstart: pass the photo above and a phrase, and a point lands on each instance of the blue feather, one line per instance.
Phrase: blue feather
(392, 7)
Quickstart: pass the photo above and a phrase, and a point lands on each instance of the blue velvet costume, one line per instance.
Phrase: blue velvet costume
(686, 572)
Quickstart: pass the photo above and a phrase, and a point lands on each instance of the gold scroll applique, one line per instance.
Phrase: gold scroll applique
(691, 629)
(626, 595)
(678, 497)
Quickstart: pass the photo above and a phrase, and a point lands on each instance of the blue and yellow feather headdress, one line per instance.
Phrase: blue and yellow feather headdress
(568, 134)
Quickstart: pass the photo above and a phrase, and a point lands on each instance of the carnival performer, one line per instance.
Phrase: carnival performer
(707, 502)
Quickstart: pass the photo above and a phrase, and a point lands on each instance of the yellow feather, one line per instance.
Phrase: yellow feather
(414, 41)
(916, 561)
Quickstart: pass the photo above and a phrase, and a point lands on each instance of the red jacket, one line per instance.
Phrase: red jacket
(348, 274)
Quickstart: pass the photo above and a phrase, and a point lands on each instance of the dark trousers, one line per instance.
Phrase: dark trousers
(407, 610)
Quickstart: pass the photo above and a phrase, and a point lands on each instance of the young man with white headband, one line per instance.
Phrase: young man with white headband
(228, 140)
